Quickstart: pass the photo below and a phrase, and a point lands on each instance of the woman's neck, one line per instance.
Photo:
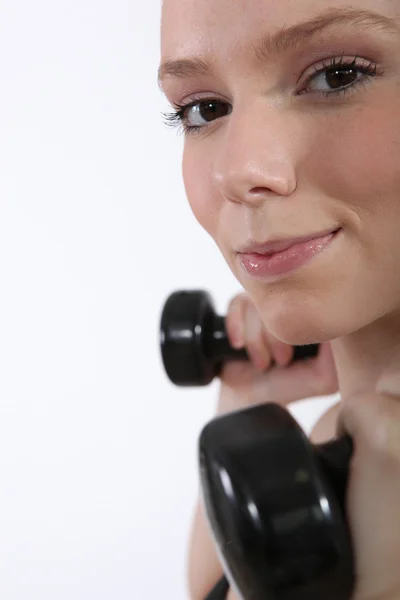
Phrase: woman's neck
(363, 356)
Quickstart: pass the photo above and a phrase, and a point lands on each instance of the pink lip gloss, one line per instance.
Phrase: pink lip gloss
(263, 266)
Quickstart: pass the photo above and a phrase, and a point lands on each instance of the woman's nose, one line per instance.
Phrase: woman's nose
(255, 158)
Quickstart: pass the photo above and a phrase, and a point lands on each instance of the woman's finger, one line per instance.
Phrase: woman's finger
(235, 321)
(302, 379)
(281, 352)
(256, 343)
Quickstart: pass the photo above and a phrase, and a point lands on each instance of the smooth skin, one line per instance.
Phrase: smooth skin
(279, 155)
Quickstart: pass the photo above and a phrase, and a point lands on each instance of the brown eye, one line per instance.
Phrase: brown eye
(201, 113)
(337, 78)
(340, 77)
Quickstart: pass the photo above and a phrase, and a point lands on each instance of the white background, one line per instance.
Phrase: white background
(98, 462)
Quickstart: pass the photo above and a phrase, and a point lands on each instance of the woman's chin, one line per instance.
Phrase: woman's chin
(297, 328)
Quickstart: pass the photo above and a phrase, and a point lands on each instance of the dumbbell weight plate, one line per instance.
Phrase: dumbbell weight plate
(275, 505)
(185, 319)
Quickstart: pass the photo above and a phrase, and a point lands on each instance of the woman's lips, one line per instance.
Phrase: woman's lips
(265, 266)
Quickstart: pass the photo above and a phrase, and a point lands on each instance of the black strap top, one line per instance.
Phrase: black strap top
(220, 591)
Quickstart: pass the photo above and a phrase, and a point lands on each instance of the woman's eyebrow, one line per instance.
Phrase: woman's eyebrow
(270, 46)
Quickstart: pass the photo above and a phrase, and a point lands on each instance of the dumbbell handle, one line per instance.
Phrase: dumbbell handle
(194, 341)
(220, 349)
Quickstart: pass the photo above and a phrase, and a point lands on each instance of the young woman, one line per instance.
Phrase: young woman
(291, 116)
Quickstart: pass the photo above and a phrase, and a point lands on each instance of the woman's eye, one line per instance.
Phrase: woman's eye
(339, 77)
(335, 79)
(203, 112)
(197, 115)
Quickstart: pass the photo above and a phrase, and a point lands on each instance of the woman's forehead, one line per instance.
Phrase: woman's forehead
(191, 21)
(202, 26)
(196, 35)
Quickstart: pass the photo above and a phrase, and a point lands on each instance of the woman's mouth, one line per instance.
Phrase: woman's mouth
(266, 266)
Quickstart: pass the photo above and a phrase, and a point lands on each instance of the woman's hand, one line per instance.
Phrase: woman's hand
(245, 383)
(373, 495)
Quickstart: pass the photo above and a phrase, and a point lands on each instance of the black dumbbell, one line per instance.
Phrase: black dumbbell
(276, 506)
(194, 343)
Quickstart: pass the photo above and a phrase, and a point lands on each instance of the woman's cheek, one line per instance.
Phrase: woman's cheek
(199, 191)
(353, 166)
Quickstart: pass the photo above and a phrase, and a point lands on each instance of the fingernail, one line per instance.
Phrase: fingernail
(389, 384)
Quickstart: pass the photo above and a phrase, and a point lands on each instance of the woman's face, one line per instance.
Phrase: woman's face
(302, 140)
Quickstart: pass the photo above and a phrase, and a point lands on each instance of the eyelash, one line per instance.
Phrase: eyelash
(176, 119)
